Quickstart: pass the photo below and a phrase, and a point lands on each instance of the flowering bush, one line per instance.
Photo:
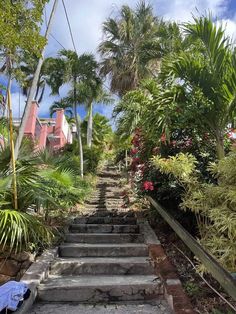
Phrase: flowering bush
(148, 186)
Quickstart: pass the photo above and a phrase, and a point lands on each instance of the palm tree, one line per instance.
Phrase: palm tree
(101, 129)
(95, 93)
(27, 68)
(73, 69)
(61, 104)
(207, 72)
(132, 41)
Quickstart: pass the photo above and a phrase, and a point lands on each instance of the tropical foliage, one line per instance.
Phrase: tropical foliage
(47, 184)
(179, 119)
(213, 205)
(132, 42)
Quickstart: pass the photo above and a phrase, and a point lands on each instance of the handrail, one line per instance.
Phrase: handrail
(224, 278)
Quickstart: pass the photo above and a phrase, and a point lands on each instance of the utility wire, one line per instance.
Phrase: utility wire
(57, 41)
(69, 25)
(71, 34)
(46, 22)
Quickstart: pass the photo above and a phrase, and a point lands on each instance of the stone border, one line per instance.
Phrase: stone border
(174, 293)
(37, 272)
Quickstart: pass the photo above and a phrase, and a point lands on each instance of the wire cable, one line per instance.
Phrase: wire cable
(46, 22)
(57, 41)
(69, 25)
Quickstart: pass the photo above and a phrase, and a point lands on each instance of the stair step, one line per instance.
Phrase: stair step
(106, 220)
(111, 213)
(93, 289)
(104, 238)
(102, 266)
(97, 228)
(99, 250)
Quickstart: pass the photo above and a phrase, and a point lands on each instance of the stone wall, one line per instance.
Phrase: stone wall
(13, 266)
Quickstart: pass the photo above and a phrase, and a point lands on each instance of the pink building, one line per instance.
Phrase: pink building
(53, 133)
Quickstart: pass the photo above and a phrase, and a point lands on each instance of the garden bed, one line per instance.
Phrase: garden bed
(203, 299)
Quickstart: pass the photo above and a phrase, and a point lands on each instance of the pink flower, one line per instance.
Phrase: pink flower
(135, 160)
(163, 138)
(134, 151)
(148, 186)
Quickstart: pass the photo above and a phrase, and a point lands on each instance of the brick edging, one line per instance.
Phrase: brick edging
(174, 293)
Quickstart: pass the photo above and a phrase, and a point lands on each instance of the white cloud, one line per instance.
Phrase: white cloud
(182, 10)
(230, 27)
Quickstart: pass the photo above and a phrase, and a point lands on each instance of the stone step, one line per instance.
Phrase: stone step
(104, 238)
(133, 307)
(106, 220)
(102, 266)
(100, 250)
(97, 228)
(111, 213)
(93, 289)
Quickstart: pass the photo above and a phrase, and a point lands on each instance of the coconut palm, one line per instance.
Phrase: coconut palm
(27, 68)
(132, 42)
(94, 94)
(73, 69)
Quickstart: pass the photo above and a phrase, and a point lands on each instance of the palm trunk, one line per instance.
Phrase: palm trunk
(126, 158)
(219, 144)
(33, 86)
(90, 125)
(78, 132)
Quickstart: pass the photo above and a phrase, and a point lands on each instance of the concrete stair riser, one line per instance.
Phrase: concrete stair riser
(93, 289)
(109, 250)
(111, 213)
(97, 228)
(104, 238)
(102, 266)
(105, 220)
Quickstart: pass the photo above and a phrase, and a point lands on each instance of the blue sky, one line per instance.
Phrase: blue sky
(86, 20)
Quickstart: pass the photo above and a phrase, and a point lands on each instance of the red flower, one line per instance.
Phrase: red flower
(163, 138)
(135, 160)
(134, 151)
(148, 186)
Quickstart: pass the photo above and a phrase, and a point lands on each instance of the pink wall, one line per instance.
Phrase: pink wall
(52, 133)
(31, 122)
(60, 139)
(43, 137)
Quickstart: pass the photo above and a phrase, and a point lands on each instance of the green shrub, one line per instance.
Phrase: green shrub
(20, 231)
(92, 158)
(213, 204)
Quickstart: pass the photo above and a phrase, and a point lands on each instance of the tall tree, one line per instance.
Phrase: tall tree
(34, 83)
(132, 41)
(93, 92)
(207, 72)
(75, 70)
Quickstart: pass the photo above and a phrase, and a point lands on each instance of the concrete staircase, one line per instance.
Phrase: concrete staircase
(104, 258)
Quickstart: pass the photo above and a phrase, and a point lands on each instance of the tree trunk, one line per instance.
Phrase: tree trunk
(220, 151)
(78, 132)
(90, 125)
(126, 158)
(33, 86)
